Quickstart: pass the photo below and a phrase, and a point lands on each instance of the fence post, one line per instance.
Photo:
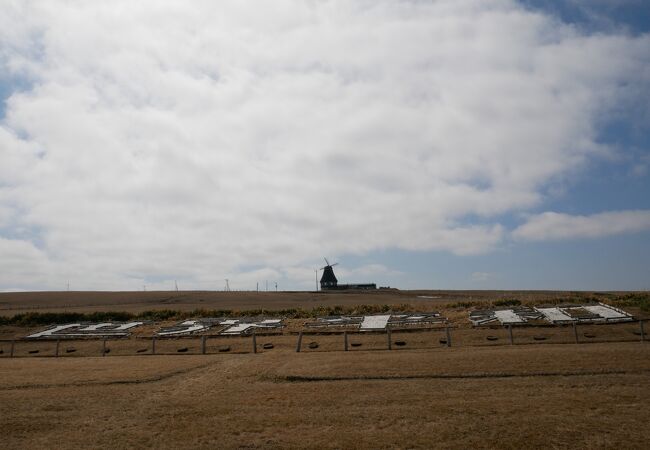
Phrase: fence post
(448, 336)
(56, 352)
(11, 352)
(390, 344)
(575, 331)
(104, 347)
(254, 342)
(299, 344)
(642, 330)
(345, 339)
(153, 345)
(203, 345)
(510, 333)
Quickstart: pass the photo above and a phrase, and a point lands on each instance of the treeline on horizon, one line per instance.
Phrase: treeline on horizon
(638, 299)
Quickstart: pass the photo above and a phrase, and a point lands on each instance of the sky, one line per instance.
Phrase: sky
(450, 144)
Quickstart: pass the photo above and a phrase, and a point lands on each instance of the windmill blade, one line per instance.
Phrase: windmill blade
(335, 264)
(326, 261)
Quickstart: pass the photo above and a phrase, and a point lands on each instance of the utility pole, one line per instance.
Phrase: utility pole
(276, 286)
(176, 285)
(316, 270)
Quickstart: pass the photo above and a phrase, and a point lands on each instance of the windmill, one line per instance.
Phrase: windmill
(328, 280)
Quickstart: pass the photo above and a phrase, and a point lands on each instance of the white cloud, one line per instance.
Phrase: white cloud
(555, 226)
(188, 141)
(480, 277)
(364, 273)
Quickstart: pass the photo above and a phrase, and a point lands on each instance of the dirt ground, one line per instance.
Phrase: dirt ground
(541, 396)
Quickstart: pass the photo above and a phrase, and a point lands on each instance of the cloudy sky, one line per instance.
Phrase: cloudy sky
(422, 144)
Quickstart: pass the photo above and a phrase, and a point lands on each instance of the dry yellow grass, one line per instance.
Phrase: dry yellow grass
(479, 393)
(17, 302)
(14, 303)
(546, 396)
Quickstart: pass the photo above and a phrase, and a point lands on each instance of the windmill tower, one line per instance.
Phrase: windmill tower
(328, 280)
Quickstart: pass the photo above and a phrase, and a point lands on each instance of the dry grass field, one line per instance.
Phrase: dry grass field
(481, 393)
(547, 396)
(18, 302)
(13, 303)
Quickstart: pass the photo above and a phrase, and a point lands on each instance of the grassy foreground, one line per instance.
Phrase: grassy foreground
(554, 396)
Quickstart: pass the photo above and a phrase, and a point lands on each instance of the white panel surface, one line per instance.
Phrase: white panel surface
(126, 326)
(374, 322)
(554, 314)
(94, 327)
(508, 316)
(238, 329)
(54, 330)
(607, 313)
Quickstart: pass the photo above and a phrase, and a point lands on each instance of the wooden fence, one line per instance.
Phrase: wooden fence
(340, 340)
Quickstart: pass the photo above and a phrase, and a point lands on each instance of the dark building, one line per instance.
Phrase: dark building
(328, 281)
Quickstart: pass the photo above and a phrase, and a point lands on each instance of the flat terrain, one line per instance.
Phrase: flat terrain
(546, 396)
(18, 302)
(543, 392)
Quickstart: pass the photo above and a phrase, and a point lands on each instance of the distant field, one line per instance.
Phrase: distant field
(552, 396)
(14, 303)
